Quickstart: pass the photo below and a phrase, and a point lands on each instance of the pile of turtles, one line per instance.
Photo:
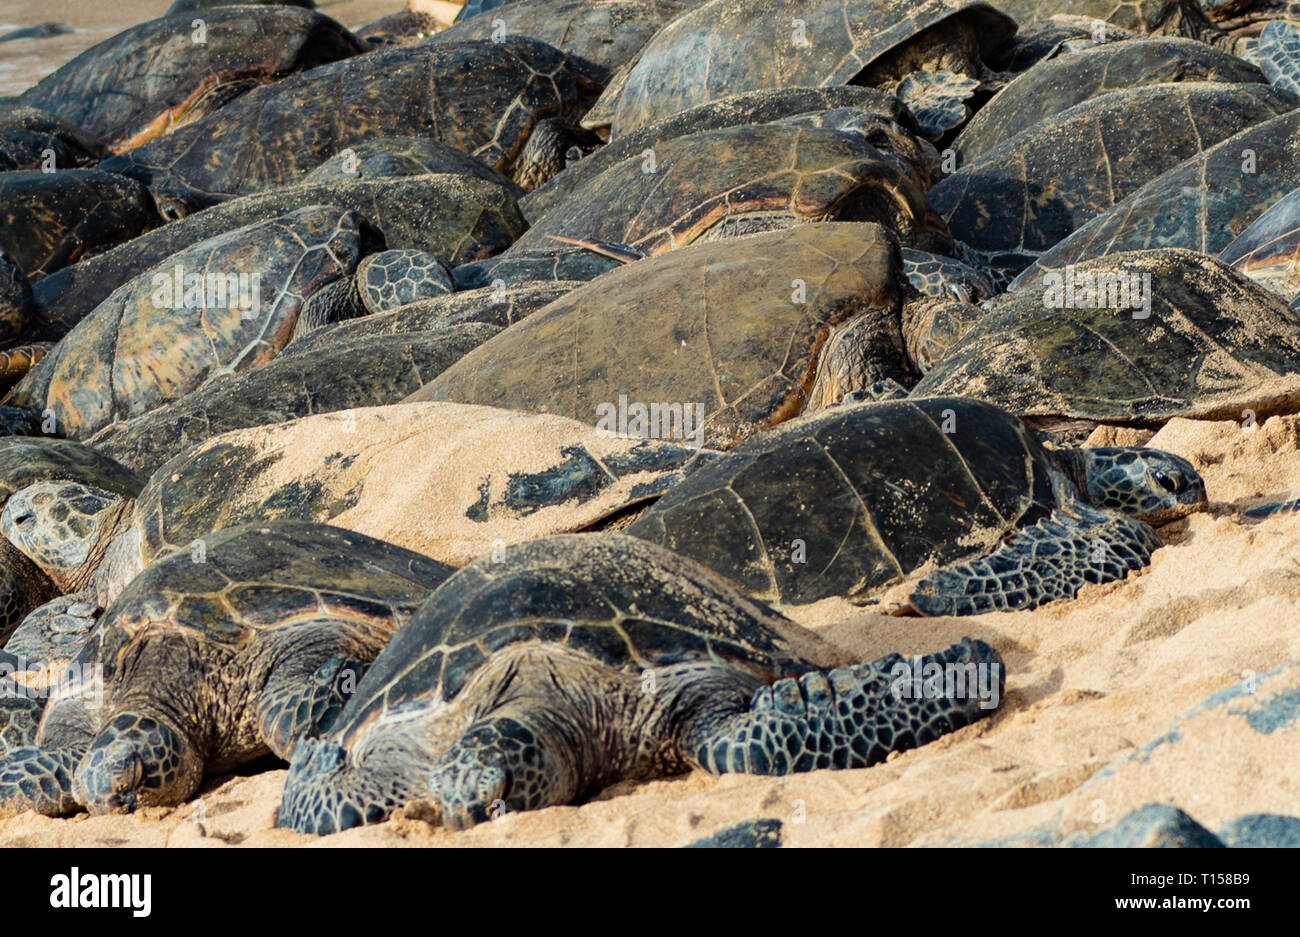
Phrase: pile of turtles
(456, 415)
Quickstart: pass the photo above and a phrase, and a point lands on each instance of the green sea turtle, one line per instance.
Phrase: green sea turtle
(338, 375)
(1278, 53)
(482, 97)
(1201, 204)
(1052, 86)
(15, 300)
(491, 307)
(852, 500)
(32, 139)
(179, 325)
(523, 267)
(389, 279)
(740, 180)
(1034, 189)
(49, 220)
(398, 29)
(483, 478)
(696, 58)
(576, 662)
(17, 360)
(747, 332)
(389, 157)
(456, 217)
(149, 79)
(1039, 40)
(210, 659)
(1133, 338)
(753, 107)
(1269, 250)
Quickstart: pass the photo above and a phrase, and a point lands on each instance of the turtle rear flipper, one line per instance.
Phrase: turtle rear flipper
(852, 717)
(1053, 559)
(298, 703)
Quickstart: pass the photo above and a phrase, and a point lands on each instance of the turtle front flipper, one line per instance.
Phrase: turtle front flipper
(299, 703)
(851, 717)
(38, 779)
(1053, 559)
(20, 717)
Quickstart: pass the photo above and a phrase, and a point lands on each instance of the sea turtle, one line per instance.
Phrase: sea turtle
(162, 74)
(752, 107)
(1034, 189)
(211, 658)
(339, 375)
(388, 157)
(456, 217)
(482, 97)
(1039, 40)
(740, 180)
(495, 307)
(601, 34)
(705, 53)
(517, 269)
(399, 29)
(1201, 204)
(852, 500)
(222, 306)
(1153, 17)
(17, 360)
(51, 219)
(522, 683)
(747, 332)
(389, 279)
(1052, 86)
(1269, 250)
(483, 478)
(32, 139)
(15, 300)
(1133, 338)
(1278, 52)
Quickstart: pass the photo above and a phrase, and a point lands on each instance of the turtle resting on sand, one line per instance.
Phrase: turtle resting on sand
(854, 499)
(211, 658)
(575, 662)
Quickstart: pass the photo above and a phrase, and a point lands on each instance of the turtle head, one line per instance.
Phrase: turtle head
(62, 527)
(324, 794)
(136, 761)
(1149, 484)
(552, 146)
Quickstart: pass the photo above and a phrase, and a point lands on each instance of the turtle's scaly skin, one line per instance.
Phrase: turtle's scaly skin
(482, 97)
(148, 79)
(1201, 205)
(399, 29)
(143, 348)
(390, 279)
(389, 157)
(1036, 188)
(576, 662)
(1056, 84)
(454, 216)
(945, 278)
(754, 107)
(730, 329)
(741, 180)
(51, 219)
(1269, 250)
(706, 53)
(364, 372)
(488, 309)
(851, 501)
(214, 656)
(1213, 344)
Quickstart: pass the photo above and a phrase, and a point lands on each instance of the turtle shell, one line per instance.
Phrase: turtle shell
(708, 52)
(27, 133)
(1269, 250)
(731, 181)
(389, 157)
(51, 219)
(362, 372)
(482, 477)
(729, 330)
(15, 300)
(199, 315)
(480, 97)
(1056, 84)
(242, 582)
(189, 6)
(153, 77)
(1036, 188)
(753, 107)
(524, 267)
(1212, 344)
(493, 306)
(624, 602)
(1202, 204)
(1142, 16)
(851, 500)
(456, 217)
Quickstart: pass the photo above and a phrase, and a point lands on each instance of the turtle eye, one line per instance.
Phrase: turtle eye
(1170, 483)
